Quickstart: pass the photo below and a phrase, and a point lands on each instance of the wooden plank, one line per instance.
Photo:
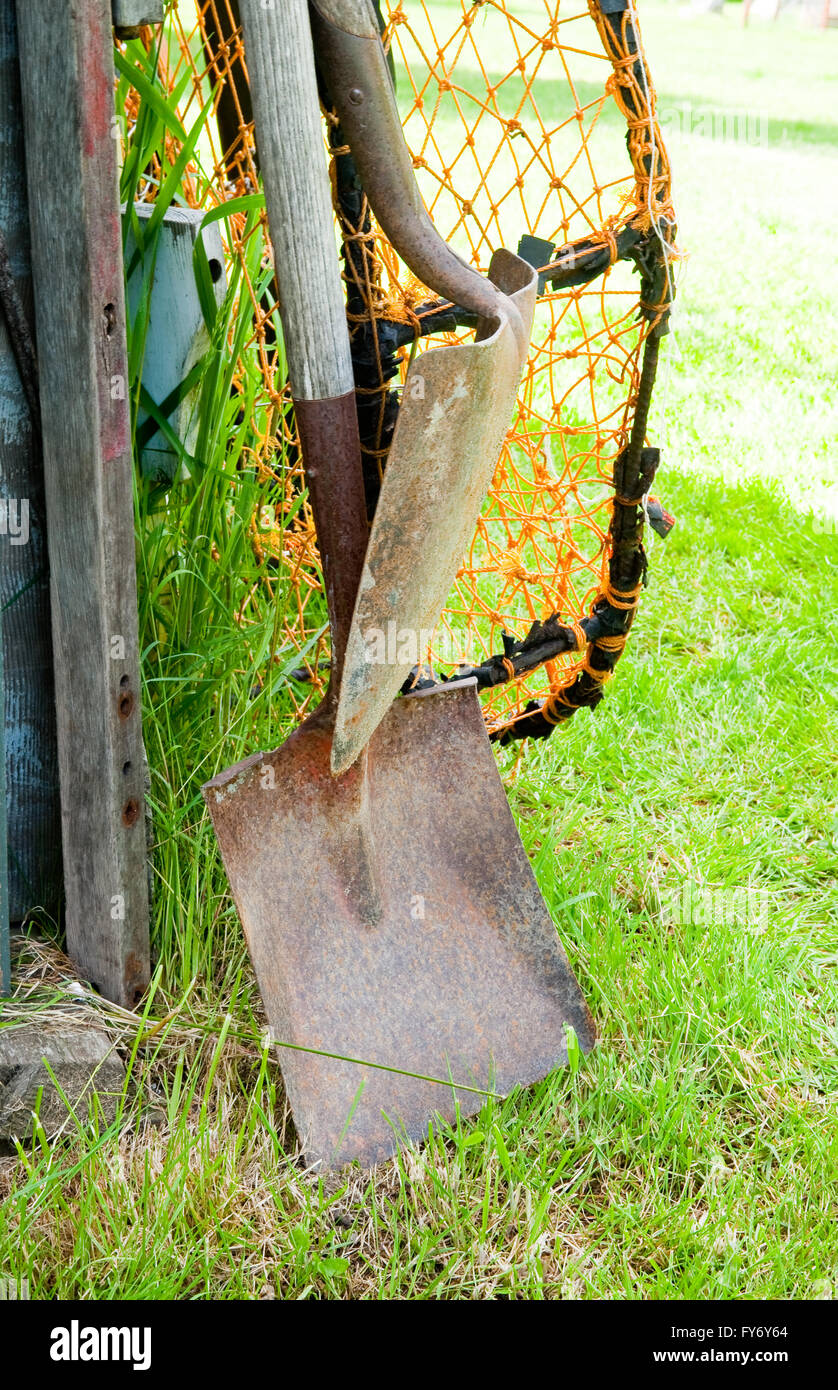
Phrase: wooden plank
(31, 759)
(129, 16)
(66, 58)
(176, 336)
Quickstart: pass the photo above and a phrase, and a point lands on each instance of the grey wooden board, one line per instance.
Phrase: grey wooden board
(176, 336)
(129, 15)
(82, 1060)
(31, 759)
(66, 56)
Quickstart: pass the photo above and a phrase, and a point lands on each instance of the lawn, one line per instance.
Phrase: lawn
(684, 837)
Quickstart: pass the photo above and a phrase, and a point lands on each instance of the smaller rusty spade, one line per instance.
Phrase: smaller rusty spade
(456, 403)
(406, 960)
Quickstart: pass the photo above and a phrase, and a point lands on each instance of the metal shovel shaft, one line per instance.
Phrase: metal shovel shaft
(349, 49)
(456, 403)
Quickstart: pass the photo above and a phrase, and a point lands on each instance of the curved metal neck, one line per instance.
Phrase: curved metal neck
(352, 58)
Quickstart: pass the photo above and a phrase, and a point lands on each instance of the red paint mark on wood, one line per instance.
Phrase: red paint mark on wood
(96, 91)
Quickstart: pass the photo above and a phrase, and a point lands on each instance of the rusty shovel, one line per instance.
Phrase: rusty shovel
(456, 402)
(406, 960)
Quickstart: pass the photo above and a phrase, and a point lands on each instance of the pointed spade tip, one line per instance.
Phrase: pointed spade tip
(356, 721)
(345, 749)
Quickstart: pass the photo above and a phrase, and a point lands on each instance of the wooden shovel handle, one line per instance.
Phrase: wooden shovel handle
(292, 158)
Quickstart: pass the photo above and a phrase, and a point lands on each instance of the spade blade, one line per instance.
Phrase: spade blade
(404, 954)
(456, 408)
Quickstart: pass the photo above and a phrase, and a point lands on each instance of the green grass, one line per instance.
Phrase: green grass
(694, 1153)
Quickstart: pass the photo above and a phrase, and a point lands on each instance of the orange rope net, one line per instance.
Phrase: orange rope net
(518, 115)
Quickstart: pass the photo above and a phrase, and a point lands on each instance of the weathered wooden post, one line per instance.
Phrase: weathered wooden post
(32, 825)
(71, 156)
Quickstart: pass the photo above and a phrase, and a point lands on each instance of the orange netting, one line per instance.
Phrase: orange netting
(517, 114)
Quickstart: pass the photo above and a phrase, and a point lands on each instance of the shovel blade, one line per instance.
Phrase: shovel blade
(393, 918)
(455, 411)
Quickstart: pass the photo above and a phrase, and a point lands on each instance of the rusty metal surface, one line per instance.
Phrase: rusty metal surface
(456, 403)
(455, 411)
(328, 431)
(449, 966)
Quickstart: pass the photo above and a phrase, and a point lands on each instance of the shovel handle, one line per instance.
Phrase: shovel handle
(292, 158)
(289, 135)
